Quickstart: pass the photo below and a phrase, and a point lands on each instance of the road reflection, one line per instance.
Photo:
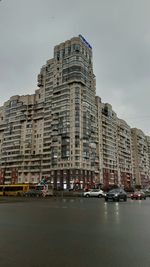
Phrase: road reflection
(112, 211)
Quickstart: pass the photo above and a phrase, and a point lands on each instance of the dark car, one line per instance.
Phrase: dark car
(34, 193)
(138, 195)
(116, 195)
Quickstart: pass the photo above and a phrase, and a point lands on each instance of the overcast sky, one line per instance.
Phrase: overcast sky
(118, 30)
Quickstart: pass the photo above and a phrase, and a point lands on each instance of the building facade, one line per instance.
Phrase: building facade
(21, 134)
(64, 133)
(140, 157)
(108, 153)
(125, 160)
(68, 83)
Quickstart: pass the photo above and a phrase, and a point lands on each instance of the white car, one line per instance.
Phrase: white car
(94, 193)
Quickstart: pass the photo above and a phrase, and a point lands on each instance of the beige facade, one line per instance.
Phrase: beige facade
(65, 133)
(114, 148)
(107, 132)
(125, 162)
(21, 139)
(140, 157)
(148, 144)
(69, 148)
(52, 133)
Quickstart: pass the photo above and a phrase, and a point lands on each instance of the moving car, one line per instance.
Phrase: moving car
(116, 195)
(138, 195)
(94, 193)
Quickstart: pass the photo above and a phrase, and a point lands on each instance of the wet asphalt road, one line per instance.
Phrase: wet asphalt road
(74, 232)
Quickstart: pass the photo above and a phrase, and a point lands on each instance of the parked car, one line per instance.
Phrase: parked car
(138, 195)
(94, 193)
(34, 193)
(116, 195)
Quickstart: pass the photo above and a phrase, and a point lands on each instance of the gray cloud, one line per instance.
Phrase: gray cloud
(118, 31)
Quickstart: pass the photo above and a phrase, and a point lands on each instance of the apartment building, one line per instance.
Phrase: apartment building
(114, 147)
(69, 146)
(125, 164)
(98, 139)
(52, 132)
(107, 140)
(1, 142)
(140, 157)
(21, 139)
(64, 132)
(148, 144)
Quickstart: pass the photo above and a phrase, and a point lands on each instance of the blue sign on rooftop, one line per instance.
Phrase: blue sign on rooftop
(85, 41)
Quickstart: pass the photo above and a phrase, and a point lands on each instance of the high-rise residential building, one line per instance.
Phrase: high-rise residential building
(108, 153)
(52, 133)
(114, 139)
(68, 84)
(140, 157)
(1, 142)
(63, 132)
(148, 145)
(21, 134)
(99, 146)
(125, 164)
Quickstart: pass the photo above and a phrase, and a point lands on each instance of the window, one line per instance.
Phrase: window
(69, 49)
(58, 56)
(77, 48)
(13, 103)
